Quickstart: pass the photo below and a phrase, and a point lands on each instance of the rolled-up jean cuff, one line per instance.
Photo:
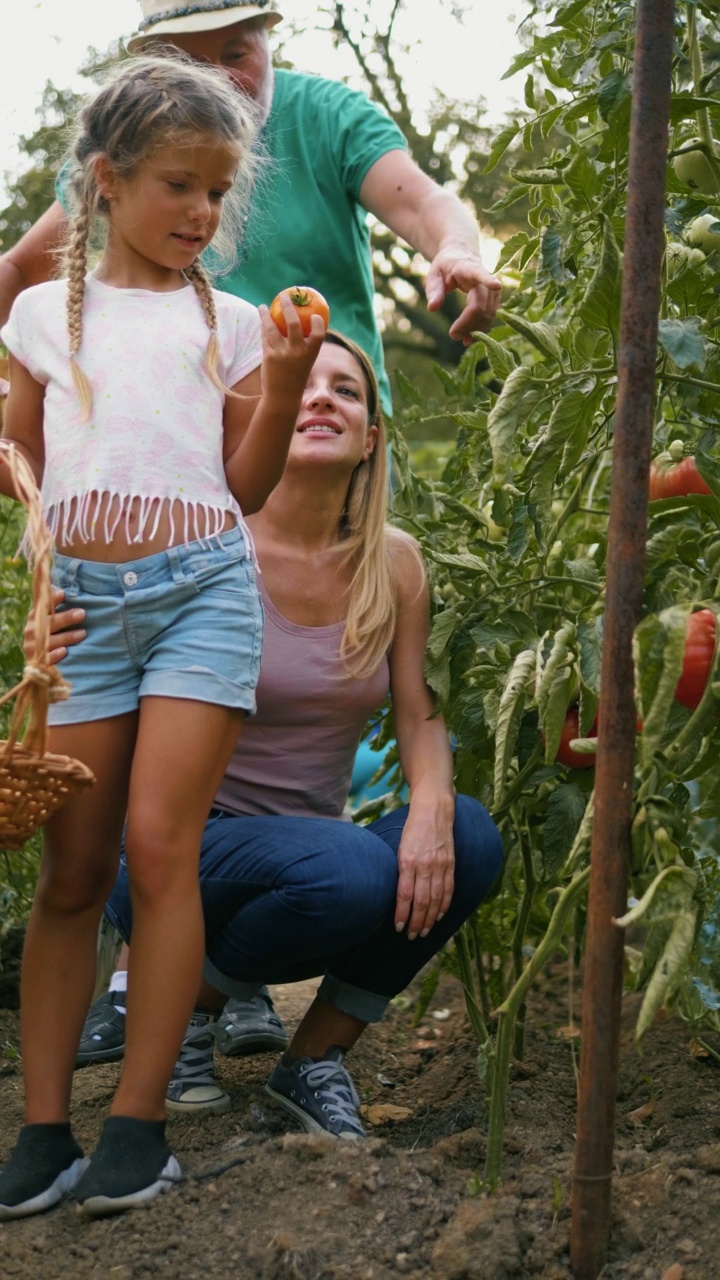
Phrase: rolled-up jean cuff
(365, 1005)
(229, 986)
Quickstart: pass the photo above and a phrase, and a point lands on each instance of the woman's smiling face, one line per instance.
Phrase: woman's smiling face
(332, 424)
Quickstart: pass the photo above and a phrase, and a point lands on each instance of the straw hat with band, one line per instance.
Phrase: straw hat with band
(163, 19)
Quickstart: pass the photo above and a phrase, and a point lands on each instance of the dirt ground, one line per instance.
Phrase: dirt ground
(265, 1202)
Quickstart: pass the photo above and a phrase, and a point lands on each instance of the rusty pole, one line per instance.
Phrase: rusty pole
(602, 987)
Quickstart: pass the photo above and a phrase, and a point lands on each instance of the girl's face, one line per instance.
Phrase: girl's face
(165, 213)
(332, 425)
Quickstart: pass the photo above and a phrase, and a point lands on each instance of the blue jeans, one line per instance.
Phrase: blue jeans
(286, 899)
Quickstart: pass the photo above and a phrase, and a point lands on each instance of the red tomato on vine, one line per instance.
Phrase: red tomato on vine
(306, 301)
(676, 481)
(697, 662)
(571, 730)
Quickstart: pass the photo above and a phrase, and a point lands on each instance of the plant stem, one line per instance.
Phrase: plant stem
(507, 1013)
(496, 1118)
(701, 115)
(519, 934)
(466, 977)
(480, 971)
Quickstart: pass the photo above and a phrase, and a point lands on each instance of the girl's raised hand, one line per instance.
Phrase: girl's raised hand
(65, 630)
(290, 359)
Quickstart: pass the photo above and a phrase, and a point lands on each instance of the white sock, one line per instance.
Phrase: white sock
(118, 982)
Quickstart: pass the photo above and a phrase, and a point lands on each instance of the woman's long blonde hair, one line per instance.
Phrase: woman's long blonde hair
(369, 542)
(150, 103)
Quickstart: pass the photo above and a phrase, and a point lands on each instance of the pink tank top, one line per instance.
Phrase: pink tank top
(295, 756)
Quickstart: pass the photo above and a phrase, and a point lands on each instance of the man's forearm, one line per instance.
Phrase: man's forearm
(33, 259)
(12, 282)
(442, 222)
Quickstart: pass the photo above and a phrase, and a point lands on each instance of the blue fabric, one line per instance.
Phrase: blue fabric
(286, 899)
(148, 623)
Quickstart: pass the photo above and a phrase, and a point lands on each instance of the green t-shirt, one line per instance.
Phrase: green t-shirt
(305, 224)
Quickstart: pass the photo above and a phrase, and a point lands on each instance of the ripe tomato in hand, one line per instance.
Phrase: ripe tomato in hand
(677, 481)
(699, 650)
(565, 754)
(306, 301)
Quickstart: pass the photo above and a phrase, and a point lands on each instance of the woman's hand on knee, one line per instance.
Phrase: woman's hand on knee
(65, 630)
(426, 873)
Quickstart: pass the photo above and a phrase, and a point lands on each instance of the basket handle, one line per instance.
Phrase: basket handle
(41, 682)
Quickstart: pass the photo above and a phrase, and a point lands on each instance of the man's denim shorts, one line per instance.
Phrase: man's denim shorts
(185, 623)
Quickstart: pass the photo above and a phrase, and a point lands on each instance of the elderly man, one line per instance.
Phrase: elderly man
(333, 157)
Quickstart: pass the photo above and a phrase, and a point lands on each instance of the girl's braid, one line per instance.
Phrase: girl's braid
(200, 283)
(76, 268)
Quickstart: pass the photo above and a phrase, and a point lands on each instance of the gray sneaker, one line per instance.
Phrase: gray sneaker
(250, 1026)
(319, 1093)
(194, 1086)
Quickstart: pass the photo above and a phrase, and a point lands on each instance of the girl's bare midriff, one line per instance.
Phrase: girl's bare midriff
(174, 528)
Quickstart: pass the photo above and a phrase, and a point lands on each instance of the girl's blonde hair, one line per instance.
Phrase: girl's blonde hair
(150, 103)
(370, 543)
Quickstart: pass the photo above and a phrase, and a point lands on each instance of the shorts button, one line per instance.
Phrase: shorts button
(130, 578)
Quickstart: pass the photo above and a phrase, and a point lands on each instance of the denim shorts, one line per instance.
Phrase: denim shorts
(185, 623)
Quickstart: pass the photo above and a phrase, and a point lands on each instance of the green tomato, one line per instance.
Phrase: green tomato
(699, 233)
(711, 555)
(679, 256)
(494, 532)
(694, 169)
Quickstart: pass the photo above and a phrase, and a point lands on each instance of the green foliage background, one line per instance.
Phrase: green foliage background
(514, 526)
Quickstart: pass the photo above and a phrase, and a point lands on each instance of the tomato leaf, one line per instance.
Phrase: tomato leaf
(669, 628)
(512, 704)
(565, 810)
(553, 683)
(501, 144)
(516, 400)
(600, 307)
(683, 341)
(671, 901)
(582, 177)
(538, 332)
(501, 359)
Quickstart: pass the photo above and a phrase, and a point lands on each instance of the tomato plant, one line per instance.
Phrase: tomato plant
(519, 640)
(676, 481)
(697, 658)
(306, 301)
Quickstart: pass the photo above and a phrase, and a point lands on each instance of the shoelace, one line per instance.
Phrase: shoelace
(333, 1084)
(195, 1060)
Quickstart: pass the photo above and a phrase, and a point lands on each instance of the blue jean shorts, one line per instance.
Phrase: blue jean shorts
(185, 623)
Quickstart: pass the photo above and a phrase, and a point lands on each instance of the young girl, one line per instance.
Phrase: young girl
(136, 397)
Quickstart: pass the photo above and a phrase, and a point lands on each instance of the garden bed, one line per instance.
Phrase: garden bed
(264, 1202)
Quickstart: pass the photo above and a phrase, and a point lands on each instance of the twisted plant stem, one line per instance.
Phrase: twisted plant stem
(507, 1013)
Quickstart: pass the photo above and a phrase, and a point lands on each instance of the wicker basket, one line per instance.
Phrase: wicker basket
(33, 783)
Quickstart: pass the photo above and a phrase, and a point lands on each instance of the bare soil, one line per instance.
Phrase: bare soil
(264, 1202)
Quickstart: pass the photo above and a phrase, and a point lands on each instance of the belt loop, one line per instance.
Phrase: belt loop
(72, 569)
(175, 562)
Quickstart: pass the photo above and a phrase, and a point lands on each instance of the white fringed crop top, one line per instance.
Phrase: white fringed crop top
(155, 432)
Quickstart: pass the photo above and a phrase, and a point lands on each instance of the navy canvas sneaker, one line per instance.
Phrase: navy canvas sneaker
(319, 1093)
